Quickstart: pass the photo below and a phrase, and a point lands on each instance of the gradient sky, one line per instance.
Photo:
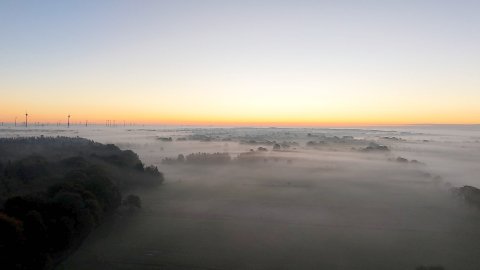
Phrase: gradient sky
(241, 62)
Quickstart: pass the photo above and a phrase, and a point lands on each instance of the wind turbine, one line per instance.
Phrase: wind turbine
(68, 122)
(26, 119)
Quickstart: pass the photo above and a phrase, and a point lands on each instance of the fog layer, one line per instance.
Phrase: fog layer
(292, 199)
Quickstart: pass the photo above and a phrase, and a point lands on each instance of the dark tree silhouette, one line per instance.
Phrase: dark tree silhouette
(11, 242)
(60, 196)
(132, 201)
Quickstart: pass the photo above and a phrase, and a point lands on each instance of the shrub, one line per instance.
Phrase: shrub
(132, 201)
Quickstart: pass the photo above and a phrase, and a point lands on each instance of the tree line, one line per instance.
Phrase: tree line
(55, 191)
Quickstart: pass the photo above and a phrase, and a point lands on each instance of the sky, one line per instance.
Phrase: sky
(241, 62)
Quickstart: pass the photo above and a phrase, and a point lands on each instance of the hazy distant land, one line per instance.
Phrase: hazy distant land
(285, 198)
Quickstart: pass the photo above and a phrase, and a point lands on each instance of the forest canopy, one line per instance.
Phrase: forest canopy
(55, 191)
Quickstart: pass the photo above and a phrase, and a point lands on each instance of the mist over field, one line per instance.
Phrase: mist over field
(239, 135)
(291, 198)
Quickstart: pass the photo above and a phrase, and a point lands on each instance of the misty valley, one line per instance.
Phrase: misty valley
(239, 135)
(152, 197)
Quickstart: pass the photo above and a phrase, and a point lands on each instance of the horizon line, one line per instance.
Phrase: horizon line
(120, 123)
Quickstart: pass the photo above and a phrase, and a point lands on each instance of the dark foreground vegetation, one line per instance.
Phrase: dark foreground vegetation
(470, 194)
(55, 191)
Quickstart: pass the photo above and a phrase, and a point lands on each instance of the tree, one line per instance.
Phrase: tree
(132, 201)
(36, 244)
(11, 242)
(276, 147)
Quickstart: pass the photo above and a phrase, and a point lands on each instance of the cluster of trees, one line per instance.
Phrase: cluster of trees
(208, 158)
(202, 138)
(324, 140)
(31, 164)
(199, 158)
(252, 156)
(404, 160)
(38, 230)
(259, 156)
(276, 146)
(257, 142)
(132, 202)
(165, 139)
(375, 147)
(169, 160)
(470, 194)
(315, 143)
(26, 169)
(54, 191)
(52, 147)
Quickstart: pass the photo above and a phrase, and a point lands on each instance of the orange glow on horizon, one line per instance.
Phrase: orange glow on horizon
(295, 121)
(278, 112)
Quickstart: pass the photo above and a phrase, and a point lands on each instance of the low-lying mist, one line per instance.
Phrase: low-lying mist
(278, 198)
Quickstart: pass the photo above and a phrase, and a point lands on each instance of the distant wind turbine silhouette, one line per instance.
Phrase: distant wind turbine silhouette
(68, 122)
(26, 119)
